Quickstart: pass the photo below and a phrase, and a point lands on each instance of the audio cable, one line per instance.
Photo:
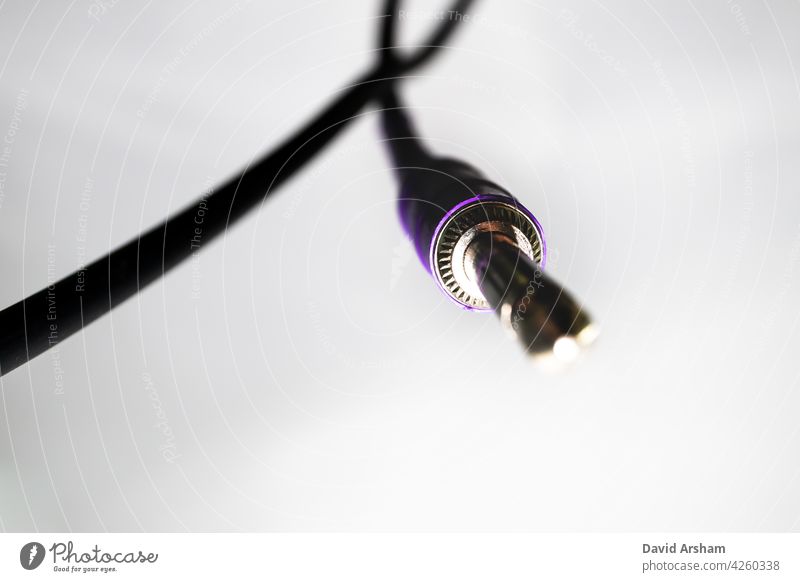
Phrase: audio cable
(39, 322)
(485, 250)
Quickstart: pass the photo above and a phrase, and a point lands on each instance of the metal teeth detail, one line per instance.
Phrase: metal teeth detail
(482, 211)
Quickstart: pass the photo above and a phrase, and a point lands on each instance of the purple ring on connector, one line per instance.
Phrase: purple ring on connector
(457, 208)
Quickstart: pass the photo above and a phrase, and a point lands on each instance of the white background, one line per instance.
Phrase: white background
(320, 381)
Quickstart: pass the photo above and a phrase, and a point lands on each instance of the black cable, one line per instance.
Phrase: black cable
(405, 146)
(482, 246)
(42, 320)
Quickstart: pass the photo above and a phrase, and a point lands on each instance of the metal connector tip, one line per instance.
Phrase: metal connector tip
(545, 318)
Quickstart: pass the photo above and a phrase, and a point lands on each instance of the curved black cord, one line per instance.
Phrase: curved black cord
(404, 144)
(405, 147)
(386, 32)
(42, 320)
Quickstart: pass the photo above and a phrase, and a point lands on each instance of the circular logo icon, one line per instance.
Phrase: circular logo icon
(31, 555)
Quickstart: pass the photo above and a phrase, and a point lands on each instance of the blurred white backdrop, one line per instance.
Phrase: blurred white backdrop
(304, 373)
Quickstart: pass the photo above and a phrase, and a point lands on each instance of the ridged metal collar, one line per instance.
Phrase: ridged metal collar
(461, 225)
